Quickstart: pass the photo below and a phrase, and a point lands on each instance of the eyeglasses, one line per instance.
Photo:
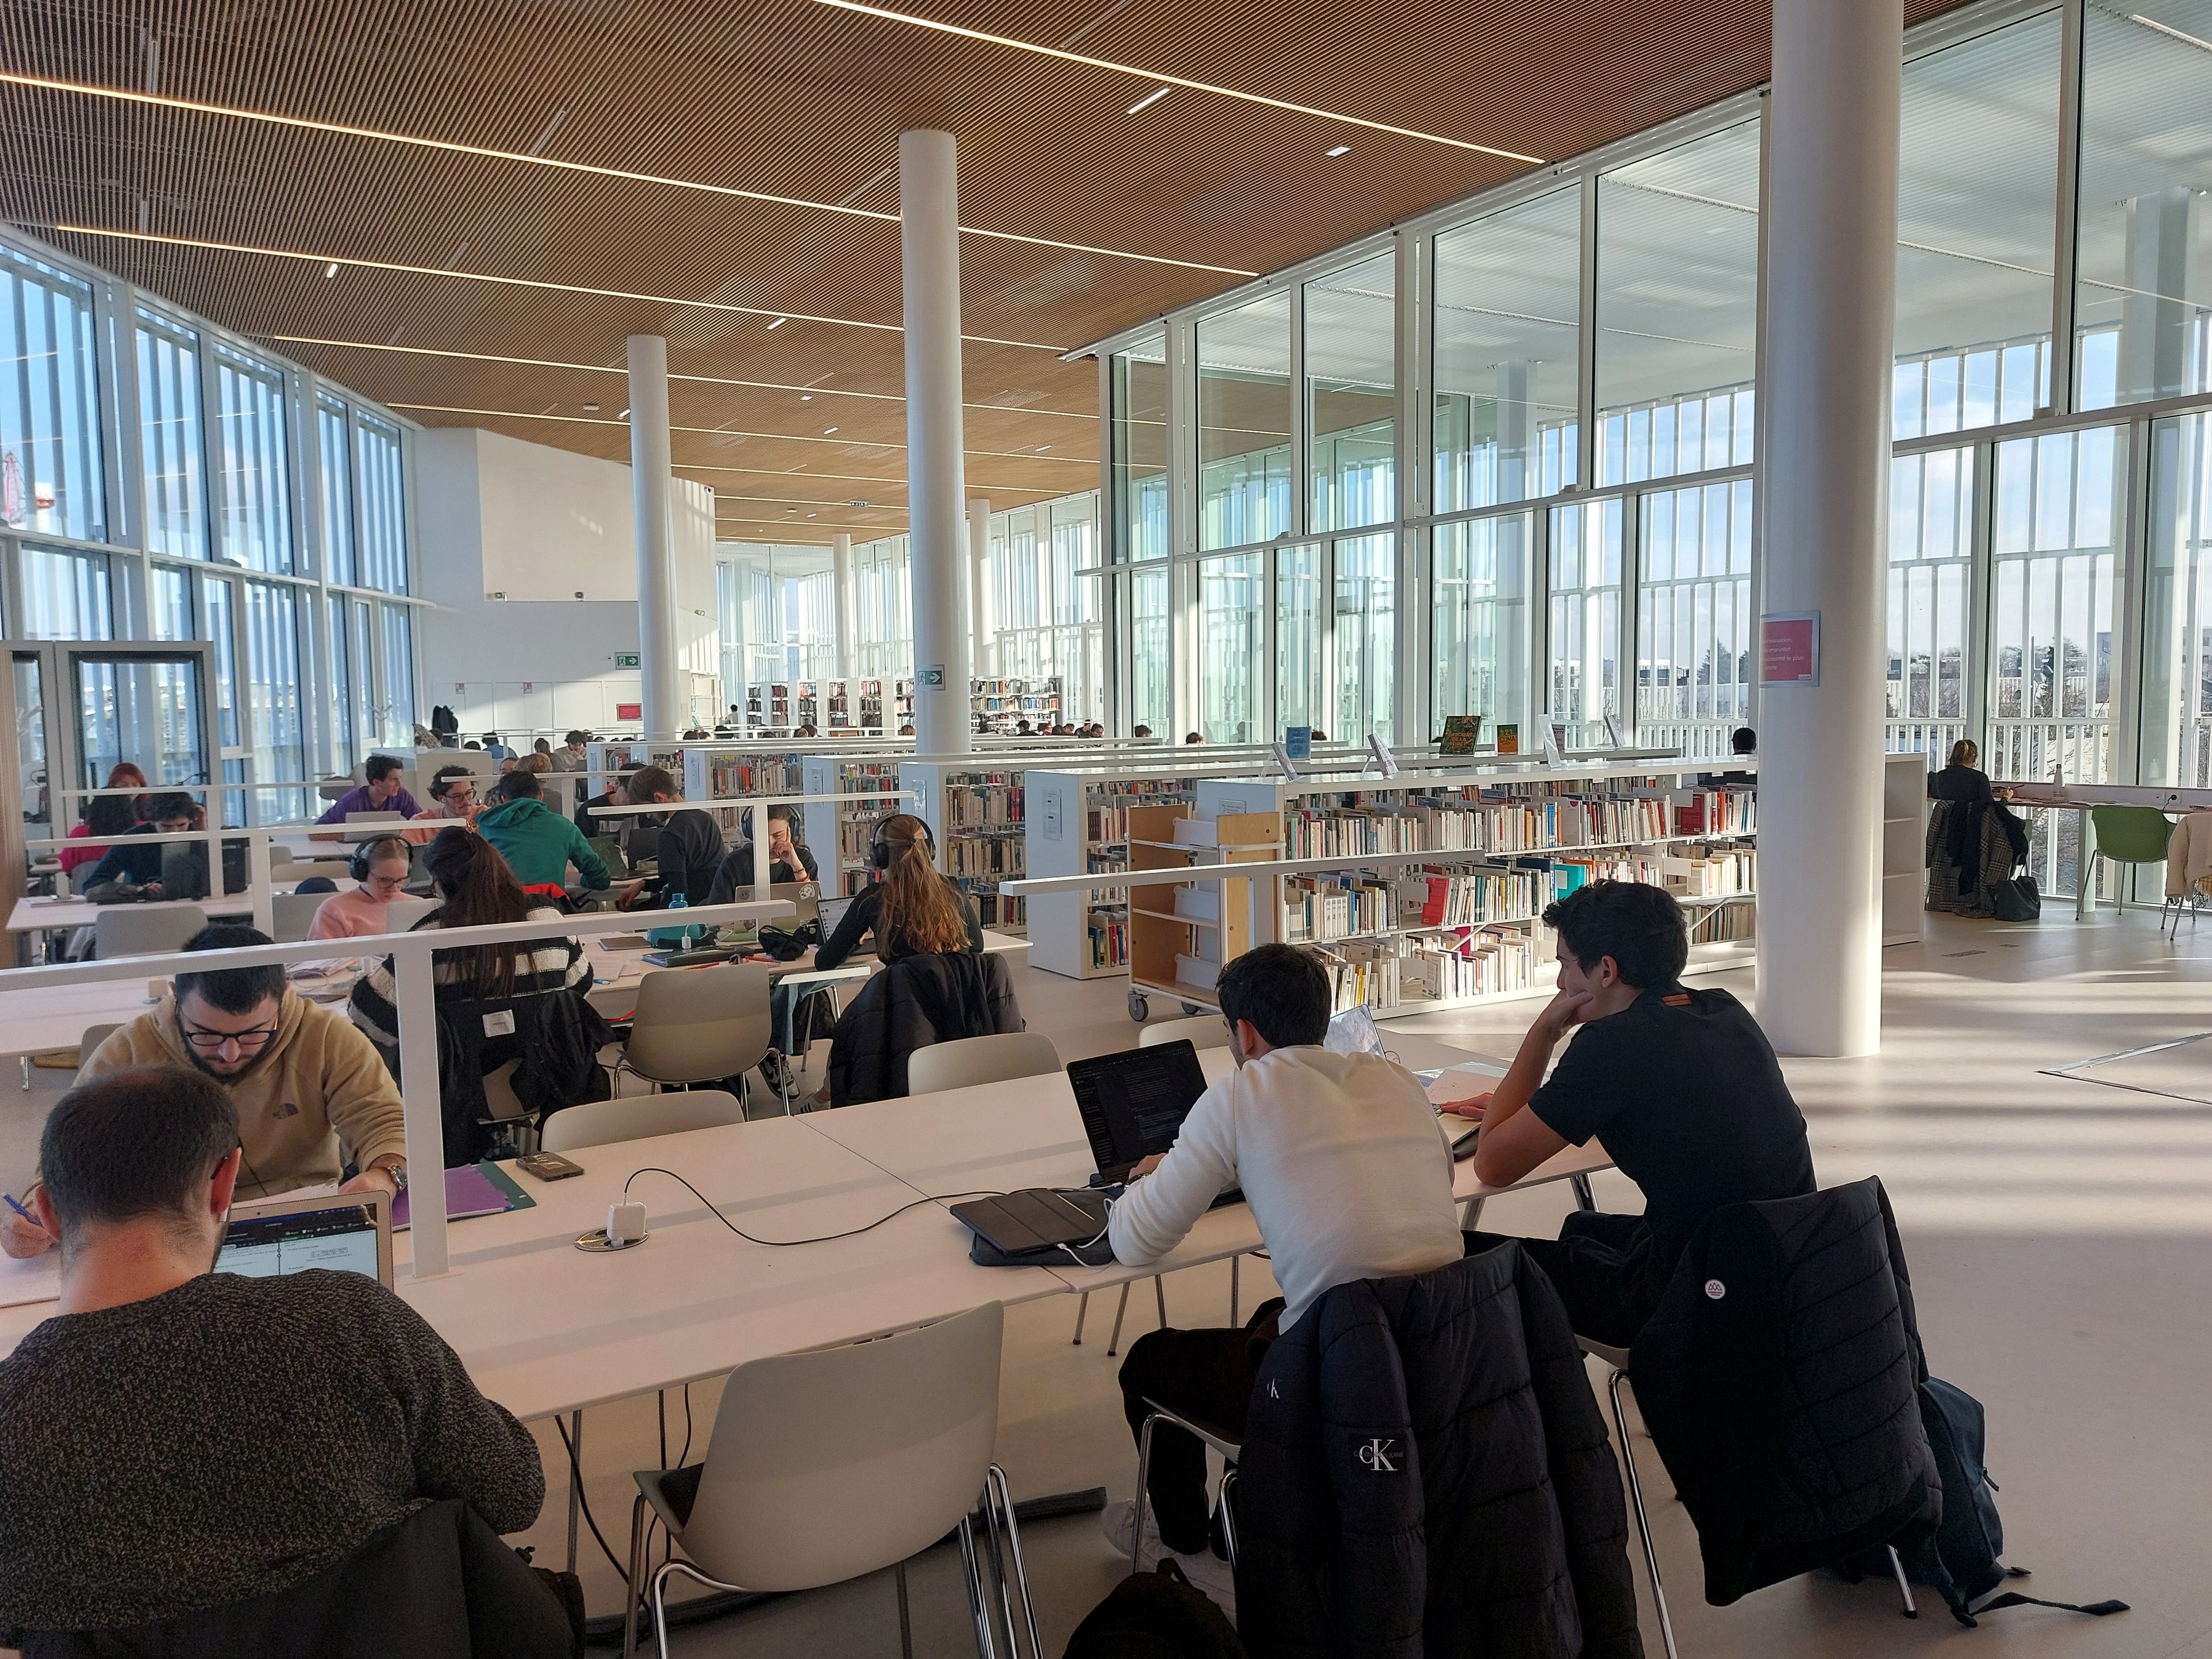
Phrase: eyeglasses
(210, 1042)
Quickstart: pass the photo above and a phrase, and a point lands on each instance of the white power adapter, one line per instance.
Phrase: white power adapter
(625, 1223)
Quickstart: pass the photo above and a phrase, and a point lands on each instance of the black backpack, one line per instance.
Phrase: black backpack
(1959, 1560)
(1156, 1615)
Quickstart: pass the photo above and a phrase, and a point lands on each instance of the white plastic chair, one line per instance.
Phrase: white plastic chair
(294, 914)
(1204, 1030)
(828, 1465)
(967, 1061)
(702, 1025)
(634, 1117)
(134, 930)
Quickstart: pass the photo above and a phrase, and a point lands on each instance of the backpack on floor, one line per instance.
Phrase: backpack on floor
(2016, 899)
(1156, 1615)
(1960, 1561)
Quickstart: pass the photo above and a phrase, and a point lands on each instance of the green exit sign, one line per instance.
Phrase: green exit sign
(626, 659)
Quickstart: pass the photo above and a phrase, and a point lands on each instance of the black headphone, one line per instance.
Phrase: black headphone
(364, 854)
(880, 850)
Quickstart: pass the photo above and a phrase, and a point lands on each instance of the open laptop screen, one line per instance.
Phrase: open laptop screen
(1133, 1102)
(344, 1234)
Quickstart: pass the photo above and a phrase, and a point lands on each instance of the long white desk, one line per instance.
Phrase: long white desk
(616, 973)
(38, 915)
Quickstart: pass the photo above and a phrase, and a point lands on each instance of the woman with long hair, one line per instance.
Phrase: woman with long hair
(1974, 842)
(105, 815)
(912, 909)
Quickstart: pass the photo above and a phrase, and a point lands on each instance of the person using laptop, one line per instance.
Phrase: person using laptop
(383, 793)
(1681, 1085)
(452, 800)
(538, 844)
(379, 870)
(126, 871)
(789, 859)
(912, 909)
(688, 847)
(180, 1439)
(311, 1093)
(1348, 1175)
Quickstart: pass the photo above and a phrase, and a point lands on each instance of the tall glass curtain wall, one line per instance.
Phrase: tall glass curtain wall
(1575, 364)
(264, 511)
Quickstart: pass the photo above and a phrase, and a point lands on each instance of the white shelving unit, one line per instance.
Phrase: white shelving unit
(839, 832)
(974, 810)
(1077, 823)
(1904, 847)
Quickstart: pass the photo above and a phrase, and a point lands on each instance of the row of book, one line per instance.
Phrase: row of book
(989, 802)
(753, 774)
(988, 856)
(1700, 870)
(1723, 924)
(1511, 825)
(1316, 908)
(1001, 910)
(1109, 939)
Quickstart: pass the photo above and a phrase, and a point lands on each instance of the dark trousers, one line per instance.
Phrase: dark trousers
(1205, 1376)
(1603, 1266)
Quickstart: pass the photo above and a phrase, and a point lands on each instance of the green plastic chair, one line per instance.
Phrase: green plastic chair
(2128, 834)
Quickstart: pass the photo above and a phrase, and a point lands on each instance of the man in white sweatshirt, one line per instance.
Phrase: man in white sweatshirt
(1347, 1173)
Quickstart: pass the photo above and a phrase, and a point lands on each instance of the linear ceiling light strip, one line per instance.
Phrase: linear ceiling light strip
(507, 282)
(123, 95)
(726, 432)
(1155, 76)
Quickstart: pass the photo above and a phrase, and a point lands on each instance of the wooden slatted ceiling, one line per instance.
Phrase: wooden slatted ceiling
(802, 100)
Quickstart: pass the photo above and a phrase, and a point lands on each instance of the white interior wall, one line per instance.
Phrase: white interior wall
(540, 525)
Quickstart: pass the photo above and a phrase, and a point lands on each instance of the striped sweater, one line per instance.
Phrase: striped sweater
(547, 965)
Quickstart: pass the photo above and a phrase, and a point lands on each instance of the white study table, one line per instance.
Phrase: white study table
(615, 972)
(38, 915)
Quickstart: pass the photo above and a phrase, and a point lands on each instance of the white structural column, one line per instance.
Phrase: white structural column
(1831, 237)
(841, 594)
(983, 648)
(929, 271)
(649, 474)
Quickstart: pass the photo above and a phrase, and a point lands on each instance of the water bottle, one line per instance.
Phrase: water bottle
(670, 938)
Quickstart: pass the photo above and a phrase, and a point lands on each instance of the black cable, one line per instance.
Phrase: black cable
(787, 1243)
(576, 1474)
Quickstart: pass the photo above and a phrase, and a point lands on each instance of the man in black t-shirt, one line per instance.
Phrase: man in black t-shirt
(1681, 1086)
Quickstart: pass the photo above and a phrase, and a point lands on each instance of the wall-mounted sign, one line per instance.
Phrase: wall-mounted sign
(930, 676)
(1790, 649)
(629, 711)
(626, 659)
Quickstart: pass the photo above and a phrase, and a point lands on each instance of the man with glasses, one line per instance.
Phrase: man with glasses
(452, 800)
(313, 1095)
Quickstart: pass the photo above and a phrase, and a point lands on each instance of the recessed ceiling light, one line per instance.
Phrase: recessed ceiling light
(330, 270)
(1340, 149)
(624, 416)
(779, 323)
(1149, 99)
(590, 409)
(1041, 448)
(807, 397)
(826, 430)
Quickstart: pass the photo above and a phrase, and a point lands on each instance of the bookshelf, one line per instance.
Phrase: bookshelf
(711, 772)
(1903, 846)
(1002, 703)
(839, 832)
(974, 810)
(600, 757)
(1463, 928)
(1180, 936)
(1077, 823)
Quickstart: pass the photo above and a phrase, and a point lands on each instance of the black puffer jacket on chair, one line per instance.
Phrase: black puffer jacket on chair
(912, 1003)
(1425, 1475)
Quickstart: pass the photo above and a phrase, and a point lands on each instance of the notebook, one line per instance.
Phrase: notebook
(473, 1189)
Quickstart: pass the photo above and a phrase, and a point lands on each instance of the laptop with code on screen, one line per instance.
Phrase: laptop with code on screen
(349, 1232)
(1133, 1102)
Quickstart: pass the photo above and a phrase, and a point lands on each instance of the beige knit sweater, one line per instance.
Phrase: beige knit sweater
(320, 1099)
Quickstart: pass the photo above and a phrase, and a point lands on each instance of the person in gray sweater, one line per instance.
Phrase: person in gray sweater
(179, 1439)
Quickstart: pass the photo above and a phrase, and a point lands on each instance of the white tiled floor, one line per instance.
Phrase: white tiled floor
(2057, 1233)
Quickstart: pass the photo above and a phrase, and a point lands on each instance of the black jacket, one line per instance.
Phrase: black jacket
(689, 850)
(439, 1585)
(135, 864)
(1425, 1475)
(557, 1036)
(912, 1003)
(1779, 1377)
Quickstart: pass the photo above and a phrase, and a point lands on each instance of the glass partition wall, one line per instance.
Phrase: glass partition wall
(1522, 430)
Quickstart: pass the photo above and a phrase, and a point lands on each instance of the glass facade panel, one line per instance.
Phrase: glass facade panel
(1504, 354)
(1139, 438)
(335, 457)
(1479, 627)
(2144, 266)
(1231, 613)
(1366, 628)
(273, 694)
(1244, 413)
(66, 595)
(1583, 638)
(2177, 652)
(399, 673)
(1976, 200)
(254, 500)
(382, 468)
(169, 603)
(346, 754)
(1677, 308)
(50, 480)
(1150, 678)
(1297, 636)
(361, 647)
(1694, 617)
(170, 437)
(1932, 656)
(1350, 343)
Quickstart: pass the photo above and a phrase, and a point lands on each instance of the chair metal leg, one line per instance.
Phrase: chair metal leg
(1082, 1307)
(1470, 1213)
(906, 1616)
(1234, 1261)
(1137, 1510)
(1229, 1514)
(999, 1503)
(1904, 1585)
(1642, 1520)
(1114, 1340)
(1160, 1291)
(575, 1481)
(638, 1529)
(1584, 1200)
(978, 1607)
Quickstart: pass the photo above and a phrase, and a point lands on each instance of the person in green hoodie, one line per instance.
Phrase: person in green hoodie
(538, 844)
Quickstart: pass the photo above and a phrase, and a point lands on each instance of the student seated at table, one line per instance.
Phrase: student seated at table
(127, 872)
(788, 858)
(1348, 1177)
(1680, 1085)
(383, 793)
(538, 845)
(687, 844)
(540, 984)
(623, 827)
(452, 800)
(379, 870)
(104, 815)
(1974, 841)
(911, 909)
(179, 1439)
(311, 1094)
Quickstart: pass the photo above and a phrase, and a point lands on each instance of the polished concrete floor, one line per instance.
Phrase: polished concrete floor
(2059, 1233)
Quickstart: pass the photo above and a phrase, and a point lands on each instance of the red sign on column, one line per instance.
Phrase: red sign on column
(1790, 649)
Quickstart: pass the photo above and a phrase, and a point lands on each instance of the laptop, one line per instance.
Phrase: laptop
(831, 913)
(804, 897)
(1133, 1102)
(376, 817)
(609, 847)
(269, 1238)
(184, 869)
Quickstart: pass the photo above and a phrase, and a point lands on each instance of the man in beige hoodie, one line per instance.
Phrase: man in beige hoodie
(311, 1091)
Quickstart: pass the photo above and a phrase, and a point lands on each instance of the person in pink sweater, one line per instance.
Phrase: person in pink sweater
(382, 867)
